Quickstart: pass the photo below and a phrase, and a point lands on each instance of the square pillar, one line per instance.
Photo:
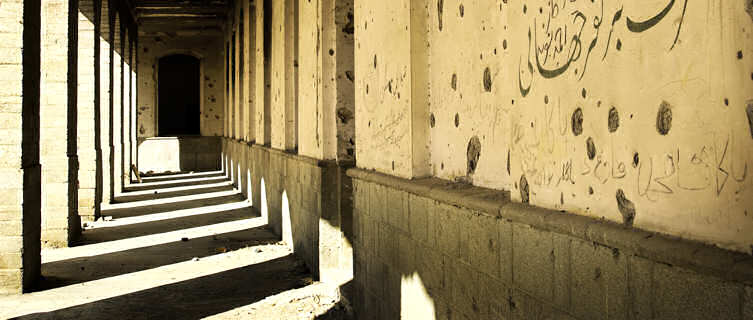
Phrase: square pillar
(87, 115)
(58, 141)
(20, 170)
(105, 97)
(391, 87)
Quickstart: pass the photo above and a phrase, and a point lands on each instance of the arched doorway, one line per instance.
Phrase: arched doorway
(179, 95)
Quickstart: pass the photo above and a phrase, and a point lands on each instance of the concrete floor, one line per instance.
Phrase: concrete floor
(180, 247)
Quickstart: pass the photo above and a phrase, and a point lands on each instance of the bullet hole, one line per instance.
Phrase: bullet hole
(726, 102)
(504, 44)
(345, 115)
(457, 120)
(454, 82)
(210, 85)
(739, 55)
(749, 111)
(440, 5)
(473, 153)
(577, 122)
(350, 25)
(614, 119)
(495, 51)
(541, 10)
(562, 198)
(367, 89)
(525, 9)
(217, 117)
(432, 120)
(332, 52)
(546, 99)
(146, 49)
(508, 162)
(393, 165)
(590, 148)
(488, 80)
(142, 130)
(626, 208)
(441, 165)
(664, 118)
(462, 10)
(636, 160)
(597, 273)
(615, 253)
(375, 61)
(389, 86)
(350, 76)
(619, 45)
(524, 196)
(590, 190)
(583, 93)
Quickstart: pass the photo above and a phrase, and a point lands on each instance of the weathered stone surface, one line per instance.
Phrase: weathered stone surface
(533, 261)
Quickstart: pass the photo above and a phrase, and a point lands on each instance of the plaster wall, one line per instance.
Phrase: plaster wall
(206, 47)
(638, 113)
(326, 103)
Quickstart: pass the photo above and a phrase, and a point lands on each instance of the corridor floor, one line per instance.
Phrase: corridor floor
(184, 246)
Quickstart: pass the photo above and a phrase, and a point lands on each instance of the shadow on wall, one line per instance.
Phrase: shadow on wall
(179, 154)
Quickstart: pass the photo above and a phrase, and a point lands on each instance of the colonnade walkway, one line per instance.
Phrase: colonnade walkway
(182, 246)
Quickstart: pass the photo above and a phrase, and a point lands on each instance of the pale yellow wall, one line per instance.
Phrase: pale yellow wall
(692, 182)
(383, 86)
(210, 49)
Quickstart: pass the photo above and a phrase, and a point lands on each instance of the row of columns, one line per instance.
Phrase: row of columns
(290, 60)
(67, 99)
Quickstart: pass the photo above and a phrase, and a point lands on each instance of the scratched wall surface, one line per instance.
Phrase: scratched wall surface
(383, 86)
(639, 112)
(311, 130)
(204, 47)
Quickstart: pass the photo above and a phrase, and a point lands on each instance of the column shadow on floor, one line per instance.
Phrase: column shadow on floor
(195, 298)
(83, 269)
(105, 234)
(171, 204)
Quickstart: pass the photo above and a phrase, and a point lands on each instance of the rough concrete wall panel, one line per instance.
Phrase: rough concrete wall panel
(383, 86)
(626, 118)
(311, 137)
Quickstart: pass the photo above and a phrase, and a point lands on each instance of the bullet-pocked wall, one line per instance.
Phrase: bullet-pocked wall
(638, 113)
(191, 153)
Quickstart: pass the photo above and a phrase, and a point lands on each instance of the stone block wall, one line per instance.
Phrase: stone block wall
(433, 247)
(179, 154)
(306, 201)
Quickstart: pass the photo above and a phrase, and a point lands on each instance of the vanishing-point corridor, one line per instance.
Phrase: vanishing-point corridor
(180, 246)
(376, 159)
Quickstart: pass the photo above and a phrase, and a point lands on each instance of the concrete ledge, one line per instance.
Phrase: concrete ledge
(696, 256)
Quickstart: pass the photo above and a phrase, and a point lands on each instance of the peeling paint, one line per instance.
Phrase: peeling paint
(626, 208)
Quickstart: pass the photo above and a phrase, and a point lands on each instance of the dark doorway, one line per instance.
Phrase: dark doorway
(179, 95)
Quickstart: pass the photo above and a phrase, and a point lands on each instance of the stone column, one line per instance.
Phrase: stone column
(125, 141)
(105, 98)
(391, 88)
(117, 108)
(248, 73)
(326, 98)
(134, 100)
(238, 83)
(260, 91)
(60, 221)
(283, 82)
(87, 133)
(19, 146)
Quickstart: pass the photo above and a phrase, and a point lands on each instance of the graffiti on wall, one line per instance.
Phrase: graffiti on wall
(574, 32)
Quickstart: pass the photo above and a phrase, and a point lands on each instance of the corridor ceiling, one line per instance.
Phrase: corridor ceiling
(179, 16)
